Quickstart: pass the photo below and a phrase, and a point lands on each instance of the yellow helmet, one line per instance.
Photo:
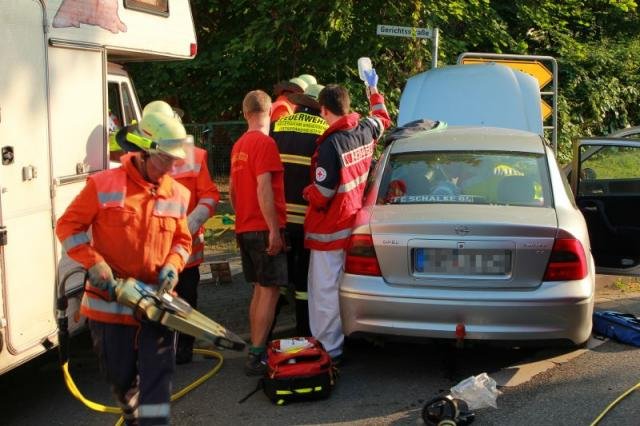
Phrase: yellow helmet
(156, 132)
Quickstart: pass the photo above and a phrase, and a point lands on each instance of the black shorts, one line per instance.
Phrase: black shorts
(257, 265)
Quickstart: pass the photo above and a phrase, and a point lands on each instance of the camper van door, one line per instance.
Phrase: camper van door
(27, 259)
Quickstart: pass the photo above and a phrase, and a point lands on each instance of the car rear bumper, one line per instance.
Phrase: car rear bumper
(558, 310)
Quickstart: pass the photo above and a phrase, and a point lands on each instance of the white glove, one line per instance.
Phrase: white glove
(197, 218)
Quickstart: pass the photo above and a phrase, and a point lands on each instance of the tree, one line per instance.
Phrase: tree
(247, 45)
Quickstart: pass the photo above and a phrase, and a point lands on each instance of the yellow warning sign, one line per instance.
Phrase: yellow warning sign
(533, 68)
(546, 110)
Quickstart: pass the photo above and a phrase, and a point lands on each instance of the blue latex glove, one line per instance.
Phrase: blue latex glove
(101, 276)
(371, 78)
(167, 278)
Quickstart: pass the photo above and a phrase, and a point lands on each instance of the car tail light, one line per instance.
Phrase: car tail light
(567, 261)
(193, 49)
(361, 256)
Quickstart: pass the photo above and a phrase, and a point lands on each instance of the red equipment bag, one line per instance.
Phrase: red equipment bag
(298, 369)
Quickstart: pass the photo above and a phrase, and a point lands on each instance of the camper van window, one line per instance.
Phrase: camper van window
(127, 103)
(157, 7)
(115, 111)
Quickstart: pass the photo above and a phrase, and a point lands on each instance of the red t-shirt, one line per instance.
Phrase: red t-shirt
(252, 155)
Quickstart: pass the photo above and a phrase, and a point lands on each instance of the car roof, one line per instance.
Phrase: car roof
(464, 138)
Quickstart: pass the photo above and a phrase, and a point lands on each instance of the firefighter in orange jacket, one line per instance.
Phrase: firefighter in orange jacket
(137, 216)
(193, 173)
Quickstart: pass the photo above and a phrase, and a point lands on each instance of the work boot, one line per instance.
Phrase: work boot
(256, 364)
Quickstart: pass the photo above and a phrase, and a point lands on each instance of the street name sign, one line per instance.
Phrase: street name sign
(396, 31)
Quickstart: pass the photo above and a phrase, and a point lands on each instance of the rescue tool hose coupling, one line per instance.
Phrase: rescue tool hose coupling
(62, 304)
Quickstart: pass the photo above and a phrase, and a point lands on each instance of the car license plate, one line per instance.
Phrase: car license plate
(443, 261)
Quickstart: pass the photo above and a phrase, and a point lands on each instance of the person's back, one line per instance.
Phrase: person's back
(246, 163)
(257, 195)
(296, 136)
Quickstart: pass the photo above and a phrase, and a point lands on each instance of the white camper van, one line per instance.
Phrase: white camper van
(60, 88)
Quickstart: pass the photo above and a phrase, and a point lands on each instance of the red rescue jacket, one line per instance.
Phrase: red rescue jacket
(340, 167)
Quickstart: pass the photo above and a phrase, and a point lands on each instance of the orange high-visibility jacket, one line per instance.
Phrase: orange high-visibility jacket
(281, 107)
(194, 175)
(136, 228)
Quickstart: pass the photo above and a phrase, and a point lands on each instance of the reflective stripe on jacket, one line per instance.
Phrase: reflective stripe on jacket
(136, 228)
(194, 175)
(349, 143)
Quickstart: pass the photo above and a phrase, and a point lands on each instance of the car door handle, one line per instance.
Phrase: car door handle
(590, 208)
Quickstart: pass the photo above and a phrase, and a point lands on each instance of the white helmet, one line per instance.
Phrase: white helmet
(158, 106)
(156, 132)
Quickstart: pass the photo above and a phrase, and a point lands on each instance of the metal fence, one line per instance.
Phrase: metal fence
(217, 138)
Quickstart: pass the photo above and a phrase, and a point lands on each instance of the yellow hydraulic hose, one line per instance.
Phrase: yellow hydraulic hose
(618, 399)
(116, 410)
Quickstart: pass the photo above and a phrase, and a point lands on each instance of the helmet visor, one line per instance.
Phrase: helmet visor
(174, 147)
(188, 147)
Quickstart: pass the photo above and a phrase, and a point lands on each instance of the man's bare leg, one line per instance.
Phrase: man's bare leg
(262, 313)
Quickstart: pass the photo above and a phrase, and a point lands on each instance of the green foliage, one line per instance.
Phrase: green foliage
(245, 45)
(614, 163)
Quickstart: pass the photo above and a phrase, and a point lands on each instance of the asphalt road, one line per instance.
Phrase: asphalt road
(379, 385)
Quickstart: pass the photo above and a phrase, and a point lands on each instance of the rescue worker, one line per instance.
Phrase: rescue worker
(282, 106)
(139, 229)
(193, 173)
(257, 195)
(296, 137)
(339, 167)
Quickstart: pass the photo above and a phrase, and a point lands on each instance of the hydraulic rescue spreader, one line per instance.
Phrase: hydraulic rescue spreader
(174, 313)
(167, 309)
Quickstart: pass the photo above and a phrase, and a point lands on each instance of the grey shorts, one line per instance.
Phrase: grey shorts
(257, 265)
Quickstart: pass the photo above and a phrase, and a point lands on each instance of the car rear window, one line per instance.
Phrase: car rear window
(478, 177)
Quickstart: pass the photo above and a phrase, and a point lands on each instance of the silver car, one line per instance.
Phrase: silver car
(469, 233)
(472, 231)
